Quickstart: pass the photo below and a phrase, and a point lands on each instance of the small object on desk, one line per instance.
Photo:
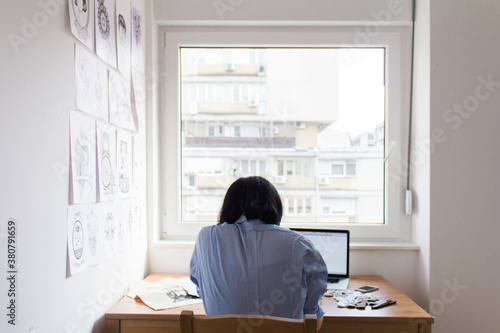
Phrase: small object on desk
(383, 304)
(366, 289)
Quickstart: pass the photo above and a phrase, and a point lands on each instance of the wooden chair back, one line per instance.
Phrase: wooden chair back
(245, 324)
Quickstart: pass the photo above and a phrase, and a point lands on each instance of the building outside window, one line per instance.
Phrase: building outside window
(312, 120)
(308, 130)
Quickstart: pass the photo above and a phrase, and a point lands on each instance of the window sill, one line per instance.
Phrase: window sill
(378, 246)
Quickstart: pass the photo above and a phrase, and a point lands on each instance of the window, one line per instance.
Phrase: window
(191, 182)
(281, 167)
(337, 169)
(360, 191)
(350, 168)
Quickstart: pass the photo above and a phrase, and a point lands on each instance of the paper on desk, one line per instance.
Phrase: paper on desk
(165, 294)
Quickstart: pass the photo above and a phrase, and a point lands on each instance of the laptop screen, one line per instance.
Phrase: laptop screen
(334, 248)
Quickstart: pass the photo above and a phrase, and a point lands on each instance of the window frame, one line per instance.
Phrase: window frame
(396, 41)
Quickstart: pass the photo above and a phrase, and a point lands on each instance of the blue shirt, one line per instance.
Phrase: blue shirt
(250, 267)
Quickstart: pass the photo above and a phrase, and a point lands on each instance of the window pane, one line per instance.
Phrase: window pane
(253, 167)
(300, 207)
(305, 121)
(337, 169)
(280, 168)
(244, 167)
(289, 167)
(290, 206)
(262, 168)
(350, 168)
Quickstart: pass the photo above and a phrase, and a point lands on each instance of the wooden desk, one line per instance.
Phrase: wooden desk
(130, 315)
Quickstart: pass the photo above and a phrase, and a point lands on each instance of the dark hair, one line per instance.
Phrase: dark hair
(253, 196)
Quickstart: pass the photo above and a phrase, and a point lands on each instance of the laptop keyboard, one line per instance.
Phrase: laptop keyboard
(332, 280)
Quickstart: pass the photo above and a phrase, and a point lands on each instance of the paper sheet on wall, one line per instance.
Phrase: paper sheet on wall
(105, 41)
(91, 84)
(110, 226)
(137, 37)
(138, 234)
(124, 163)
(120, 112)
(165, 294)
(123, 226)
(106, 162)
(81, 15)
(123, 33)
(138, 101)
(83, 158)
(85, 242)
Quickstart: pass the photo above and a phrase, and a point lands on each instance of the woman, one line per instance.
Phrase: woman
(248, 264)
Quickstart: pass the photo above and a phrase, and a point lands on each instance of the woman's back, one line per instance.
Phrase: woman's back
(249, 267)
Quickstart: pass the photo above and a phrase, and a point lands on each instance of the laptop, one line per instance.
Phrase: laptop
(333, 245)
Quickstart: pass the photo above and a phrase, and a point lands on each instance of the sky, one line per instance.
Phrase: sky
(361, 90)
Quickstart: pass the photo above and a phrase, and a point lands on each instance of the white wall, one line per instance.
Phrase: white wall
(36, 95)
(420, 164)
(196, 11)
(465, 183)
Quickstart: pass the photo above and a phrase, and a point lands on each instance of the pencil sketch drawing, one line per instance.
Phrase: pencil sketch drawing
(105, 31)
(83, 159)
(137, 38)
(123, 36)
(91, 84)
(80, 13)
(106, 151)
(120, 112)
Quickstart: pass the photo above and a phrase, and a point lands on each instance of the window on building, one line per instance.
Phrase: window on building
(350, 168)
(191, 182)
(289, 167)
(337, 169)
(281, 168)
(342, 92)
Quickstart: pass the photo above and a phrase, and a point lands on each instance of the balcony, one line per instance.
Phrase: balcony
(227, 69)
(309, 183)
(227, 108)
(265, 142)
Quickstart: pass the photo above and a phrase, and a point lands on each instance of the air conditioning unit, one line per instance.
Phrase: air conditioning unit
(280, 179)
(252, 103)
(230, 67)
(323, 180)
(300, 124)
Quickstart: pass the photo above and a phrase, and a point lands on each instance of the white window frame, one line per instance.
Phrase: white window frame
(396, 40)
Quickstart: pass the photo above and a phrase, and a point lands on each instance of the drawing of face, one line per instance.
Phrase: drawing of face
(122, 29)
(78, 239)
(81, 12)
